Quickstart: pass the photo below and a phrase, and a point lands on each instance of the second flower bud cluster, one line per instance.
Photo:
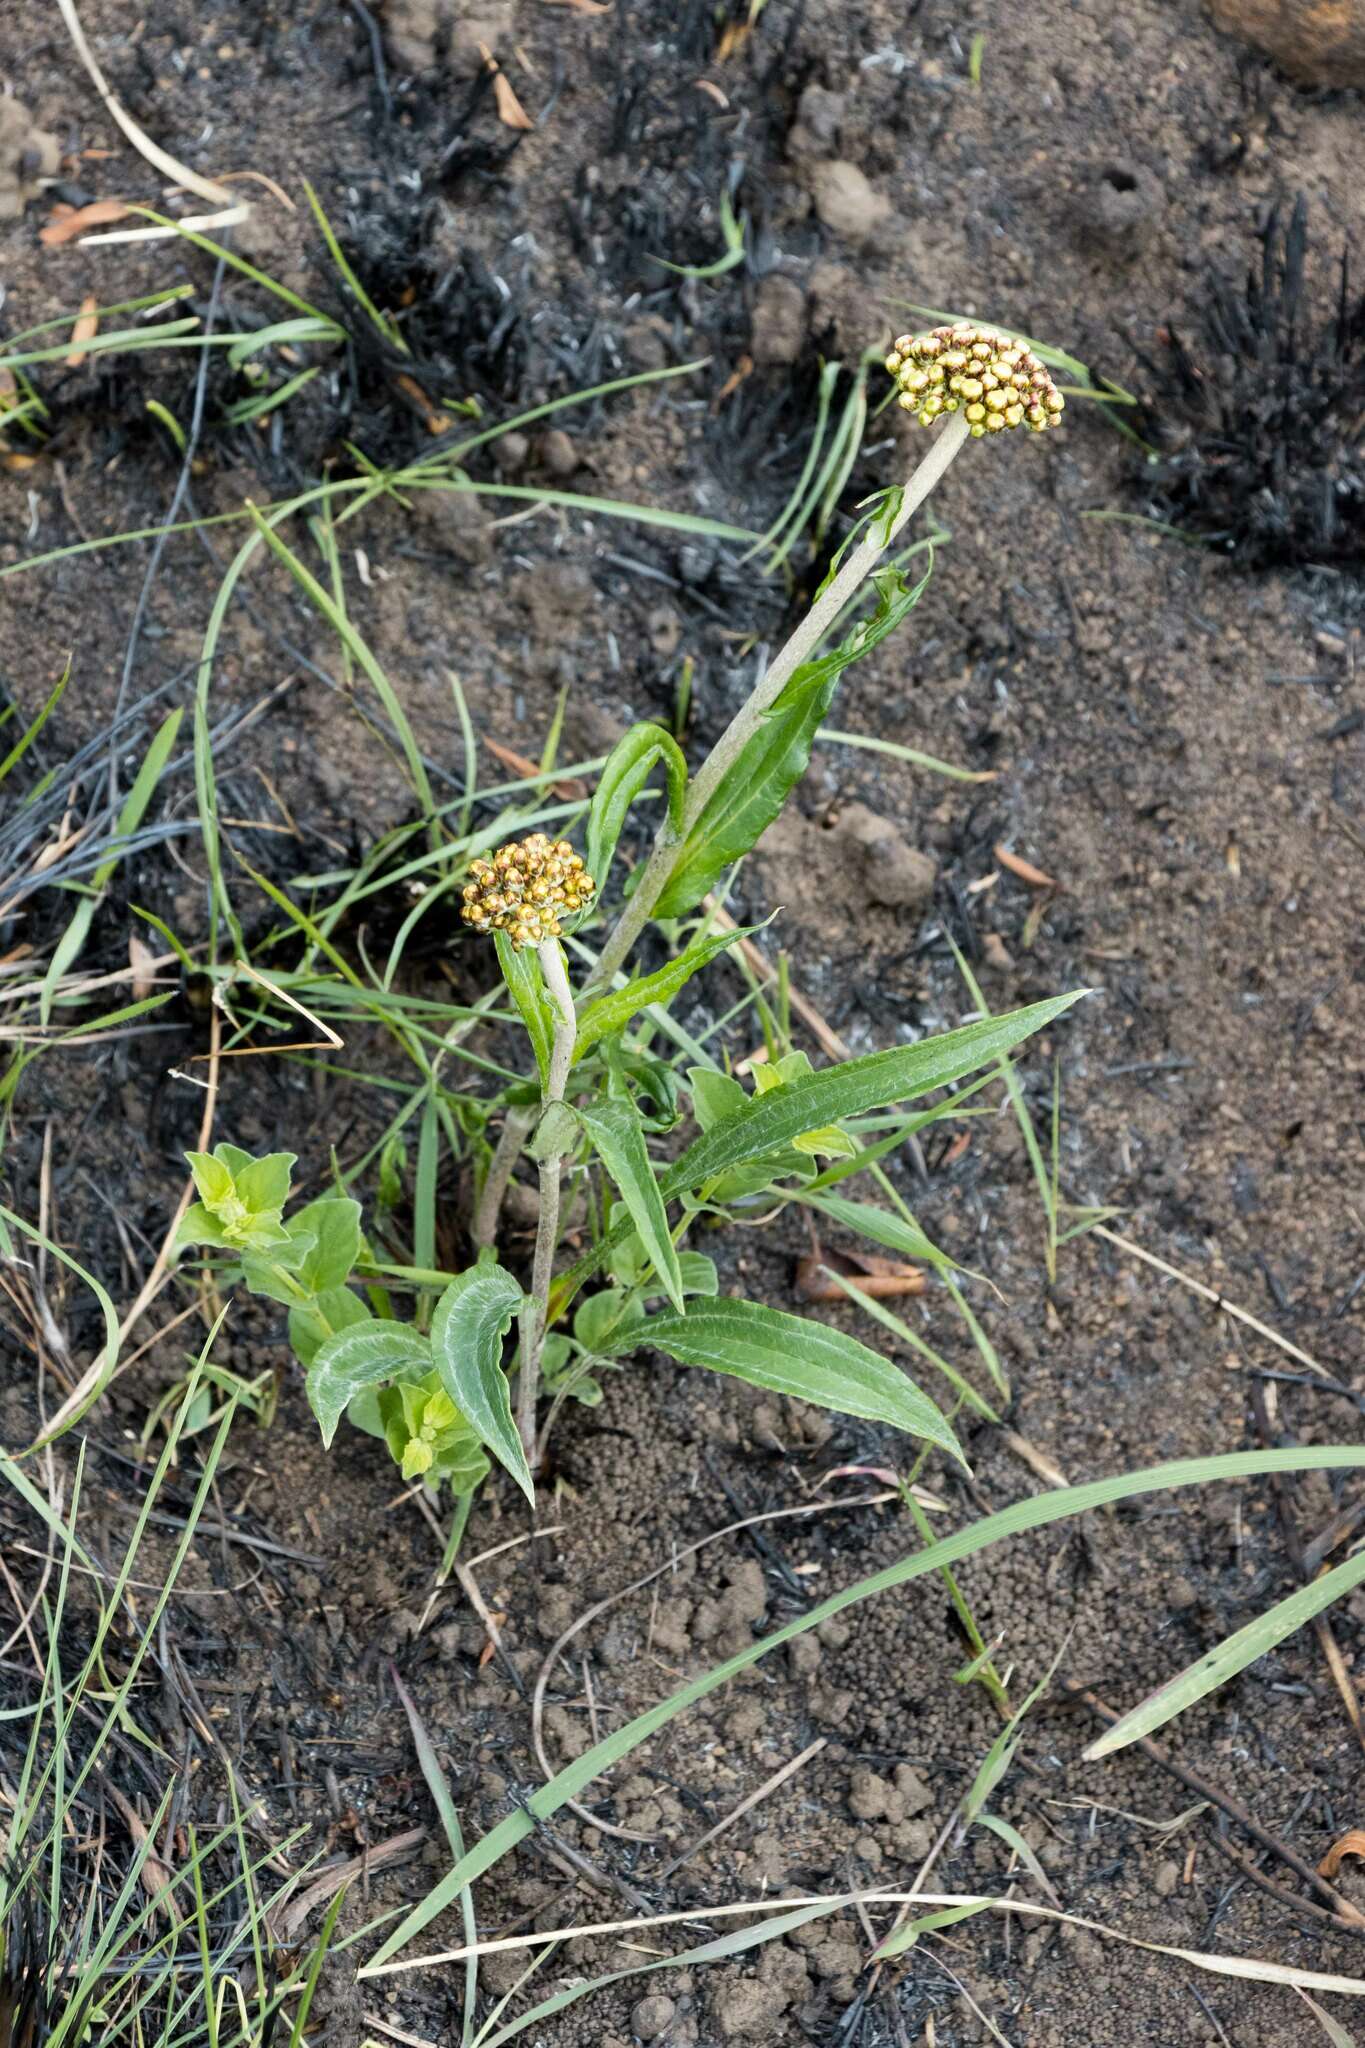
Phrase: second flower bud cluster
(526, 888)
(995, 382)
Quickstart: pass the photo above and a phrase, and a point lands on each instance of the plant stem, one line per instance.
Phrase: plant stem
(535, 1314)
(800, 648)
(515, 1130)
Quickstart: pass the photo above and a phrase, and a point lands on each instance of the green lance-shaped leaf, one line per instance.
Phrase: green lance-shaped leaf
(757, 1126)
(471, 1319)
(774, 758)
(628, 767)
(526, 986)
(614, 1128)
(853, 1088)
(880, 1225)
(361, 1357)
(611, 1013)
(789, 1355)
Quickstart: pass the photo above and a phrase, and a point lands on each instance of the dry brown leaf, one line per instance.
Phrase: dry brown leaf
(1025, 869)
(140, 959)
(1037, 1461)
(66, 222)
(882, 1279)
(155, 1875)
(570, 788)
(736, 35)
(732, 383)
(85, 329)
(1352, 1843)
(436, 422)
(581, 6)
(511, 112)
(285, 1919)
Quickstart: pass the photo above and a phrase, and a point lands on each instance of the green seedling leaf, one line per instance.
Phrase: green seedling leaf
(362, 1356)
(789, 1355)
(770, 1121)
(756, 1129)
(603, 1315)
(471, 1319)
(1217, 1666)
(611, 1013)
(526, 986)
(774, 759)
(31, 732)
(719, 1950)
(619, 1143)
(270, 1259)
(827, 1143)
(628, 767)
(555, 1134)
(68, 948)
(212, 1179)
(1015, 1843)
(714, 1095)
(331, 1311)
(199, 1225)
(879, 1225)
(1001, 1753)
(948, 1916)
(333, 1223)
(699, 1274)
(263, 1184)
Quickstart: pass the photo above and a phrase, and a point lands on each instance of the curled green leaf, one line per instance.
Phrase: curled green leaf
(628, 767)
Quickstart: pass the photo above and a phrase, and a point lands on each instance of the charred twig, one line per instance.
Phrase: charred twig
(1341, 1914)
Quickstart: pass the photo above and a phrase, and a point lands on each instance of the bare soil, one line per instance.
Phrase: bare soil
(1178, 742)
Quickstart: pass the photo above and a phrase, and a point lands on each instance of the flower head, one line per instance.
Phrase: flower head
(526, 888)
(994, 381)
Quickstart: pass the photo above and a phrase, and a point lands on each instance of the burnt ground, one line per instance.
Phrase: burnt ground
(1177, 736)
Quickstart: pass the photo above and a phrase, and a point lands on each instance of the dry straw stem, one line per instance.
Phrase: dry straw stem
(170, 167)
(1250, 1969)
(1220, 1301)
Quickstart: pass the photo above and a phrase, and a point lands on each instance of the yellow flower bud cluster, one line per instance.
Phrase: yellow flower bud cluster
(526, 888)
(993, 381)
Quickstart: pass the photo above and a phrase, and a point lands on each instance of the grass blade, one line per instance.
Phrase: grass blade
(1036, 1512)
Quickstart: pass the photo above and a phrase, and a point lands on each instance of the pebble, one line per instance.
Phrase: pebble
(779, 326)
(1315, 44)
(845, 201)
(26, 154)
(511, 451)
(651, 2016)
(557, 452)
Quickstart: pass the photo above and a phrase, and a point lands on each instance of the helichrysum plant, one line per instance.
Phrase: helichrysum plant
(447, 1391)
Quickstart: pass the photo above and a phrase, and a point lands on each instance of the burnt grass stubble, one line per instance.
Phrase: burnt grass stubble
(517, 278)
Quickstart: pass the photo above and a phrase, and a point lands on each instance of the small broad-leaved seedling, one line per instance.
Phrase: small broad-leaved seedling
(438, 1390)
